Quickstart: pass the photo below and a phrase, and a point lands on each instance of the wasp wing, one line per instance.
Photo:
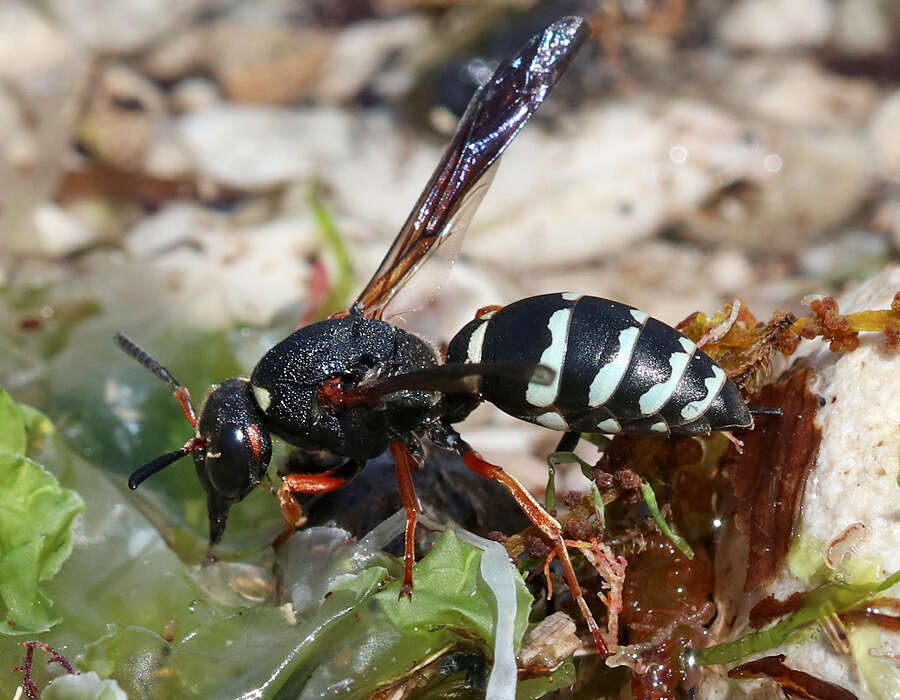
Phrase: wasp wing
(449, 379)
(418, 291)
(496, 113)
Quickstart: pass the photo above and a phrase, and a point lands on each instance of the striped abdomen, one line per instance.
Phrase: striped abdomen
(617, 369)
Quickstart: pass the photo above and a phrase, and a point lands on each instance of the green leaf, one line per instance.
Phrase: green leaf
(13, 436)
(822, 602)
(83, 686)
(450, 593)
(806, 560)
(677, 540)
(554, 459)
(879, 674)
(535, 688)
(36, 517)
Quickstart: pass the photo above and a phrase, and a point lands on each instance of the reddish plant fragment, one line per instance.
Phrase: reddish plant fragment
(884, 612)
(771, 608)
(31, 690)
(770, 475)
(28, 685)
(892, 336)
(665, 606)
(746, 350)
(794, 683)
(319, 289)
(657, 668)
(628, 457)
(843, 330)
(612, 571)
(109, 182)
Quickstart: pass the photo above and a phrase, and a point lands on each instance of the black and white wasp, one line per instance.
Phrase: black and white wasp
(615, 369)
(355, 385)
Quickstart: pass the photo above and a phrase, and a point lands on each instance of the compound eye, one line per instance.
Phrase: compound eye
(237, 458)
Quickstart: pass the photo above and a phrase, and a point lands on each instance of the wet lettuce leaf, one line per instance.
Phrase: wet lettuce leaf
(137, 614)
(84, 686)
(136, 610)
(534, 688)
(450, 593)
(36, 517)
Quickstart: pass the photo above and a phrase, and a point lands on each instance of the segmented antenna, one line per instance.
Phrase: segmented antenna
(182, 395)
(151, 363)
(153, 466)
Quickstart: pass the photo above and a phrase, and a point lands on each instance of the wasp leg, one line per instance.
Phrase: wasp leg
(738, 444)
(406, 462)
(546, 523)
(325, 482)
(543, 521)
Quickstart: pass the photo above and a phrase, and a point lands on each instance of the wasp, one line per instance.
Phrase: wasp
(355, 385)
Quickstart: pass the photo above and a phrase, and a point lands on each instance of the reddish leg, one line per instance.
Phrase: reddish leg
(406, 462)
(485, 310)
(325, 482)
(547, 562)
(183, 397)
(546, 523)
(738, 444)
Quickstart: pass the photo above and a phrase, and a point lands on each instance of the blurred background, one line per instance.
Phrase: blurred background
(207, 174)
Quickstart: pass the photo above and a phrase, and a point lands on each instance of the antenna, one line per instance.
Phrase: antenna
(150, 468)
(182, 396)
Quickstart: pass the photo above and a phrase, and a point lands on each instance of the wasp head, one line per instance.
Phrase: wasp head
(231, 445)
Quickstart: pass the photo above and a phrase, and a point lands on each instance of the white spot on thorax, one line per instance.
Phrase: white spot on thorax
(570, 296)
(656, 396)
(263, 398)
(545, 394)
(660, 427)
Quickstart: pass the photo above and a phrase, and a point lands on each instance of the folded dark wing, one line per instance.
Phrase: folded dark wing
(496, 113)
